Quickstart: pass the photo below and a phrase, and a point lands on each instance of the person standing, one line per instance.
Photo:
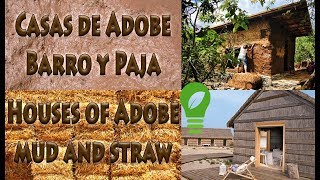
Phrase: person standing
(242, 57)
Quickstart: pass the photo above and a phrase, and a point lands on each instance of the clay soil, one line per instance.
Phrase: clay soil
(299, 75)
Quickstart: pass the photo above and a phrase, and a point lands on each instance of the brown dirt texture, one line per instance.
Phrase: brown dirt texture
(166, 48)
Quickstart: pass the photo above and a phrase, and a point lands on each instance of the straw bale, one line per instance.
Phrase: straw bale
(103, 132)
(23, 134)
(140, 132)
(86, 169)
(61, 96)
(166, 126)
(106, 144)
(127, 177)
(173, 167)
(128, 169)
(11, 145)
(91, 170)
(176, 153)
(92, 177)
(51, 177)
(15, 126)
(13, 170)
(161, 175)
(246, 81)
(58, 133)
(166, 135)
(57, 167)
(17, 171)
(19, 127)
(144, 97)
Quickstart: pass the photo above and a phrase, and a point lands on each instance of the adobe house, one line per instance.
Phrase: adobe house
(277, 127)
(209, 137)
(274, 33)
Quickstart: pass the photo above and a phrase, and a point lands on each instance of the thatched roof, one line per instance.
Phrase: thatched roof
(294, 17)
(302, 96)
(209, 133)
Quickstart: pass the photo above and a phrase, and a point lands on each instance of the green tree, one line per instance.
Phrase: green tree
(305, 48)
(200, 45)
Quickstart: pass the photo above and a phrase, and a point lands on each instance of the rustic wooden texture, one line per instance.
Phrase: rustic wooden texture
(217, 142)
(212, 174)
(195, 157)
(298, 115)
(192, 142)
(293, 172)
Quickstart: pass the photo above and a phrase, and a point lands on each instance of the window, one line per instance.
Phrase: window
(264, 33)
(212, 142)
(263, 140)
(199, 142)
(224, 142)
(185, 141)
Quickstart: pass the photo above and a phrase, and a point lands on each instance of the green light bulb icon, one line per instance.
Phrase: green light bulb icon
(195, 99)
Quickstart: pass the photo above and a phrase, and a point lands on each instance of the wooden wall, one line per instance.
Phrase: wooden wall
(192, 142)
(217, 142)
(299, 119)
(205, 141)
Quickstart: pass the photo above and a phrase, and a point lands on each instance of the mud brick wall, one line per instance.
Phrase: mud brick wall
(283, 49)
(291, 52)
(277, 39)
(274, 48)
(258, 29)
(260, 58)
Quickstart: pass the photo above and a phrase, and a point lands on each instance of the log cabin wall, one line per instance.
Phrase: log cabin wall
(209, 137)
(217, 142)
(298, 116)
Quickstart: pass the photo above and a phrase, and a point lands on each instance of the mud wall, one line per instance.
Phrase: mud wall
(259, 58)
(283, 48)
(258, 29)
(291, 52)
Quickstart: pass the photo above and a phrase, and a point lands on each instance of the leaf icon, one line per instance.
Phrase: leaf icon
(195, 99)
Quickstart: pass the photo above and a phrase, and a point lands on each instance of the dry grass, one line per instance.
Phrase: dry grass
(62, 134)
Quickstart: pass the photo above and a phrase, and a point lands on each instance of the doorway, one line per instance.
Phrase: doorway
(185, 141)
(212, 142)
(270, 145)
(286, 61)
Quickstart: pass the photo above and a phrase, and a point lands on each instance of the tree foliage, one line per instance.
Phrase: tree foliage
(200, 45)
(305, 48)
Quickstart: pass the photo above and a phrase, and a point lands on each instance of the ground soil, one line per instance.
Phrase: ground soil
(286, 81)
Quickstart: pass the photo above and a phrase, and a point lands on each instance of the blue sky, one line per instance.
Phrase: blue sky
(223, 105)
